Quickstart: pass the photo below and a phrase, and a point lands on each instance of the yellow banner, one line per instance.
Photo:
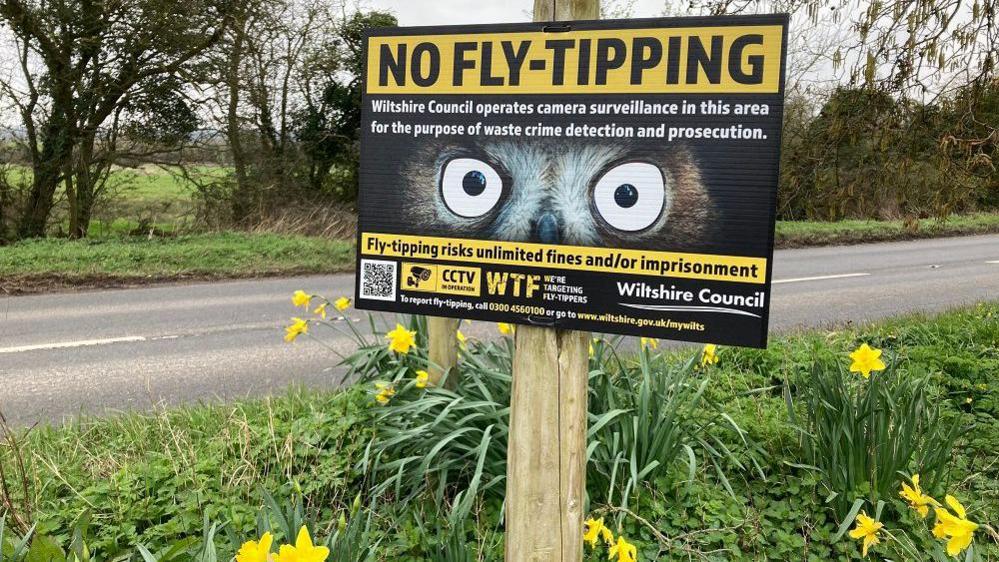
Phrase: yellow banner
(605, 260)
(722, 59)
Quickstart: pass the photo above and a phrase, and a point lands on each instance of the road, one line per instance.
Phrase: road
(95, 352)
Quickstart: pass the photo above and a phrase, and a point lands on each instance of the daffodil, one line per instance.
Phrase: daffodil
(623, 550)
(709, 355)
(650, 343)
(916, 498)
(504, 328)
(865, 360)
(342, 303)
(462, 340)
(320, 311)
(253, 551)
(304, 550)
(955, 527)
(297, 328)
(385, 393)
(595, 530)
(401, 339)
(867, 529)
(301, 298)
(422, 377)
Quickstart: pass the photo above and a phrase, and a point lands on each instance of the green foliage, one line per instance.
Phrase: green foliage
(216, 255)
(867, 154)
(328, 127)
(153, 479)
(866, 434)
(794, 234)
(646, 416)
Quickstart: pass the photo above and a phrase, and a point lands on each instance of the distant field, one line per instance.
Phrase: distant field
(38, 265)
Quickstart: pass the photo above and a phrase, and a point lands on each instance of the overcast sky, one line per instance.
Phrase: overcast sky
(444, 12)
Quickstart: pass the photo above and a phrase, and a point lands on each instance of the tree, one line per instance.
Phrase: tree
(85, 65)
(328, 125)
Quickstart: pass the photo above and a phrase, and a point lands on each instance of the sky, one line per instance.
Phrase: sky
(444, 12)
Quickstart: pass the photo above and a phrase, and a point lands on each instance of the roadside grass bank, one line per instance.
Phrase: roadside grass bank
(163, 478)
(800, 234)
(48, 264)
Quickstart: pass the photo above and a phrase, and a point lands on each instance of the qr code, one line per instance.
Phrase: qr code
(378, 280)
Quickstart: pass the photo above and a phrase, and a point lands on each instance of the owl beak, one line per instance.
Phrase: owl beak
(547, 230)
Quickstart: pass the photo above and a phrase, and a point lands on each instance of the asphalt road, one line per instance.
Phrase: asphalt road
(95, 352)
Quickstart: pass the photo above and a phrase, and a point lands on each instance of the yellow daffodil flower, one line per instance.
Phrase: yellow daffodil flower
(304, 550)
(320, 311)
(253, 551)
(709, 355)
(955, 527)
(461, 338)
(595, 530)
(297, 328)
(301, 298)
(916, 498)
(422, 377)
(865, 360)
(504, 328)
(623, 550)
(867, 529)
(385, 393)
(401, 339)
(650, 343)
(342, 303)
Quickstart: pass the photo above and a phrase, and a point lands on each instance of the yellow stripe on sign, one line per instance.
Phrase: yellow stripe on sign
(605, 260)
(723, 59)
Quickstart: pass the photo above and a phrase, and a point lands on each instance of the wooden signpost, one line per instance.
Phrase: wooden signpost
(546, 452)
(442, 343)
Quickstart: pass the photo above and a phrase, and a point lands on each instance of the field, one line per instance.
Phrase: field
(158, 478)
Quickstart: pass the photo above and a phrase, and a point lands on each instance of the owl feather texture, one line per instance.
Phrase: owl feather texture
(620, 194)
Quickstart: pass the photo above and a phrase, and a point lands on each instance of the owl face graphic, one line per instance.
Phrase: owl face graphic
(619, 194)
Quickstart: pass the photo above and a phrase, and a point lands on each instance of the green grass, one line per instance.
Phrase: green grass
(151, 477)
(201, 255)
(793, 234)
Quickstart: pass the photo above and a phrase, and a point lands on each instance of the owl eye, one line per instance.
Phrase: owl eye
(631, 196)
(470, 187)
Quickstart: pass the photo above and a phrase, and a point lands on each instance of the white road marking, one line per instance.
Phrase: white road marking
(993, 261)
(820, 278)
(67, 344)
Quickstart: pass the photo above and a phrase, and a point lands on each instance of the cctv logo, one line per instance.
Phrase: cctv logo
(445, 279)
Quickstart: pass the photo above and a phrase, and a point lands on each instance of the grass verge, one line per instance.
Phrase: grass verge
(37, 265)
(152, 478)
(799, 234)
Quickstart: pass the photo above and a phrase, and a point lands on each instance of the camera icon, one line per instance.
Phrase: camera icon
(418, 275)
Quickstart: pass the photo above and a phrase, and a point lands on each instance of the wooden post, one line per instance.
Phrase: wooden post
(442, 341)
(546, 454)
